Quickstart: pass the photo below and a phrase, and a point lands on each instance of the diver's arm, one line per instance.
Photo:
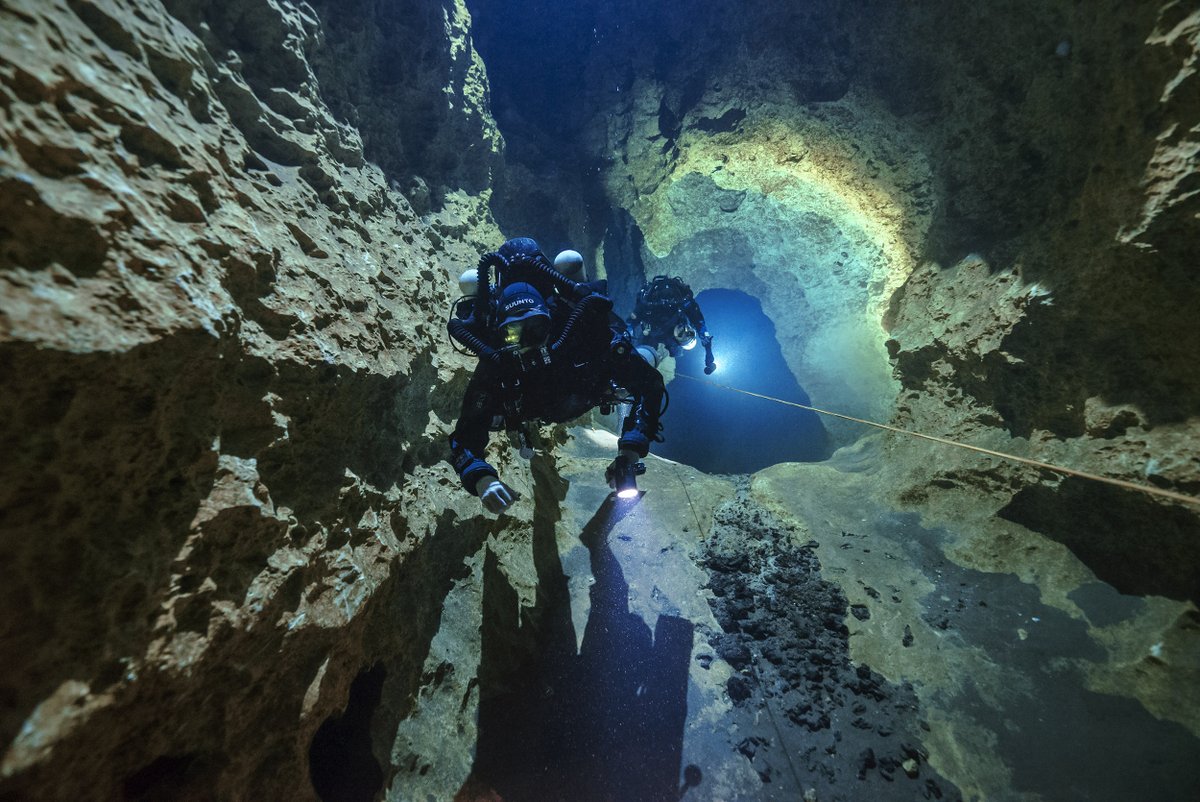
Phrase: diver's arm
(646, 384)
(469, 440)
(696, 318)
(710, 364)
(690, 308)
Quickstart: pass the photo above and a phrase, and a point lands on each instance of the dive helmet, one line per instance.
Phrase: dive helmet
(525, 320)
(570, 264)
(685, 335)
(468, 282)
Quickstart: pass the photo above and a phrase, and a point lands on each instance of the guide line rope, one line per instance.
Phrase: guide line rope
(1181, 497)
(696, 515)
(756, 658)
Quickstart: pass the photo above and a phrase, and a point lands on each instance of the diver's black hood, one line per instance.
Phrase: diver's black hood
(521, 301)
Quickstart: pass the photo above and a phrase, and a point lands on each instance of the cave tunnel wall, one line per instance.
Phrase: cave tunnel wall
(375, 64)
(225, 229)
(218, 380)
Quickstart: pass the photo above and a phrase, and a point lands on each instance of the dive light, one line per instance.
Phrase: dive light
(622, 477)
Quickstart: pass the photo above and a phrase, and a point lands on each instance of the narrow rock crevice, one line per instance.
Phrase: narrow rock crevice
(341, 763)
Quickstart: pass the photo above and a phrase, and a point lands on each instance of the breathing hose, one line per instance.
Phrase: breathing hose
(463, 334)
(589, 303)
(483, 290)
(540, 265)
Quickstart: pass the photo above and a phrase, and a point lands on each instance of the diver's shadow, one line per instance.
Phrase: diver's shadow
(634, 688)
(606, 723)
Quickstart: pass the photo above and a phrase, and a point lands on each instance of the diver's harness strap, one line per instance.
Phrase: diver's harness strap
(517, 367)
(526, 362)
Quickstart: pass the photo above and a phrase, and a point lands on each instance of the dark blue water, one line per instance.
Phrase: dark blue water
(720, 431)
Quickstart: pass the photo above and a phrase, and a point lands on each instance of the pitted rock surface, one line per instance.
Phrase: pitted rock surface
(228, 238)
(811, 718)
(224, 398)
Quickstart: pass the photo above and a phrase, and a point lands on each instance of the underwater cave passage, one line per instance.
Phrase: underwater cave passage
(720, 431)
(341, 764)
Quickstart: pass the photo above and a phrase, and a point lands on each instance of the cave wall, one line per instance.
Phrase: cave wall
(1076, 179)
(375, 70)
(226, 234)
(1063, 335)
(226, 383)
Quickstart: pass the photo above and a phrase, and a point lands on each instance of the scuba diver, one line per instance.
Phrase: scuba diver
(550, 349)
(667, 313)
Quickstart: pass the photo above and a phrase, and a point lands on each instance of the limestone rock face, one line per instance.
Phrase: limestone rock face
(378, 70)
(235, 565)
(1081, 352)
(226, 382)
(801, 210)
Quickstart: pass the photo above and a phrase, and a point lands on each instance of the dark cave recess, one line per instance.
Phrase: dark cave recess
(341, 764)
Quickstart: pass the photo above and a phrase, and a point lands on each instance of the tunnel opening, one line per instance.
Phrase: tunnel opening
(342, 766)
(721, 431)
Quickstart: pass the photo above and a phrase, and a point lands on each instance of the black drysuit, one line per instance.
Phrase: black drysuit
(578, 376)
(661, 304)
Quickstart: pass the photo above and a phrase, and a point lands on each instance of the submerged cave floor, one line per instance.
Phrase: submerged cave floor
(782, 638)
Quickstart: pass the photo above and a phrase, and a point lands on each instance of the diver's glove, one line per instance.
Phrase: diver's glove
(710, 364)
(495, 495)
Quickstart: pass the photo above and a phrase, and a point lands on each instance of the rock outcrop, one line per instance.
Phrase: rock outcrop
(226, 385)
